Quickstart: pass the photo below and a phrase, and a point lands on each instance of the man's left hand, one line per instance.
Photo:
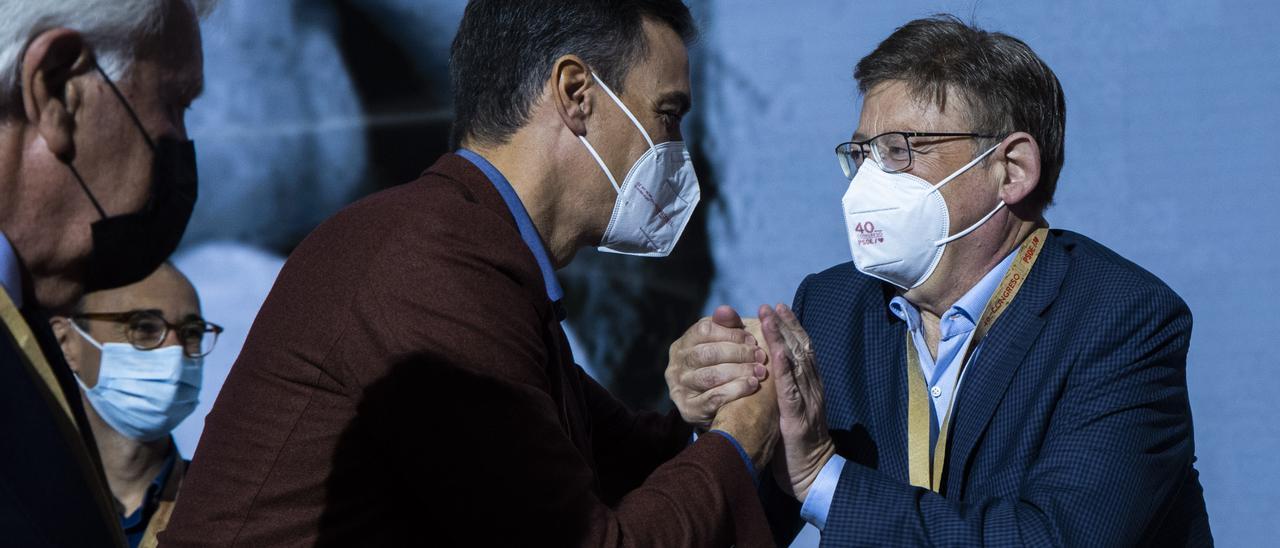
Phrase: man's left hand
(805, 445)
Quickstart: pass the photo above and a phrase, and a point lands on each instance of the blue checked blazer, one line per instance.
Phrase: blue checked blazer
(1072, 428)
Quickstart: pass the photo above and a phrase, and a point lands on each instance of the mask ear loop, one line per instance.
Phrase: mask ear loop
(86, 336)
(986, 217)
(76, 173)
(136, 121)
(965, 168)
(129, 108)
(971, 228)
(624, 108)
(599, 161)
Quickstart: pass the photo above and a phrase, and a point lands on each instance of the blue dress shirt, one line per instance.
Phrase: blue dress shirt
(10, 273)
(135, 524)
(943, 374)
(528, 232)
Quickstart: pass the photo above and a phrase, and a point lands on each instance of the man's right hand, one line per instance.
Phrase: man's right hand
(753, 420)
(715, 362)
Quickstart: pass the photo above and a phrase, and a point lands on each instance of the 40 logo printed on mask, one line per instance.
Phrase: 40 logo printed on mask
(867, 233)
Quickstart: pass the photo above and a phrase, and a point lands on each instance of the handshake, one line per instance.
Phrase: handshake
(756, 380)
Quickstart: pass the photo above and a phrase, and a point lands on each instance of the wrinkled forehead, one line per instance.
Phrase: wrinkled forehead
(895, 106)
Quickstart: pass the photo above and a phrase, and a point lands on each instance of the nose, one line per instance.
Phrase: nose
(171, 338)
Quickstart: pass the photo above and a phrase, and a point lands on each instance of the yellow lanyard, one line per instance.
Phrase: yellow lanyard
(34, 360)
(25, 340)
(923, 472)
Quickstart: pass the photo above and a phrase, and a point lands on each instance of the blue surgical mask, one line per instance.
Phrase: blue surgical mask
(143, 394)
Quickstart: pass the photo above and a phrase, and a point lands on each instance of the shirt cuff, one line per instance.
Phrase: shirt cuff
(817, 504)
(751, 469)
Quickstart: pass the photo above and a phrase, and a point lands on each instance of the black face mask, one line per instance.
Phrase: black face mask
(128, 248)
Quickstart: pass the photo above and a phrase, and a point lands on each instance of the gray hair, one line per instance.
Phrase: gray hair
(114, 28)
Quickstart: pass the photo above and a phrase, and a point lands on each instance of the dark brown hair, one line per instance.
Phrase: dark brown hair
(1005, 86)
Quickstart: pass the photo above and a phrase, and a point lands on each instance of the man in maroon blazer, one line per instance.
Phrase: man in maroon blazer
(408, 381)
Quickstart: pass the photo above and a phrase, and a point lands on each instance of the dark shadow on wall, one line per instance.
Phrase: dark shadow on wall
(408, 112)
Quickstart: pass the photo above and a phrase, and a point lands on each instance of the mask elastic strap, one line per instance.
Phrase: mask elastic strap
(85, 187)
(966, 167)
(136, 121)
(86, 336)
(971, 228)
(127, 106)
(603, 167)
(952, 177)
(624, 109)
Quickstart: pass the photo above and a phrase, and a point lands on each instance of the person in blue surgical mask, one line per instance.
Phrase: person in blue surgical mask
(137, 353)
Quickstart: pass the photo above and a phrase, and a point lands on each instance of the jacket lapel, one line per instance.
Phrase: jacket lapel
(886, 360)
(987, 380)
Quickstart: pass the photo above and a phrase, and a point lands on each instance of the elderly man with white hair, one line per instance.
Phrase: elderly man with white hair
(98, 182)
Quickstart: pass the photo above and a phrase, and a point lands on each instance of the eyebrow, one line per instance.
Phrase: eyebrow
(678, 99)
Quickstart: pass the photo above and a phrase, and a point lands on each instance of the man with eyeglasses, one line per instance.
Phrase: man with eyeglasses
(97, 183)
(137, 353)
(972, 377)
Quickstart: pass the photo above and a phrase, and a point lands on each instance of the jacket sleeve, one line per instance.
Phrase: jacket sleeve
(473, 369)
(629, 445)
(1114, 454)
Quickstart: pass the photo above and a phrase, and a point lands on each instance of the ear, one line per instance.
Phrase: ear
(62, 331)
(570, 80)
(50, 96)
(1022, 167)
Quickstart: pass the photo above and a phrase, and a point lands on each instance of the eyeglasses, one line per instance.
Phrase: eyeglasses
(892, 150)
(147, 330)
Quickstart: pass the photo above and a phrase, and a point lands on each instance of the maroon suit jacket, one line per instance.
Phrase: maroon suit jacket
(407, 382)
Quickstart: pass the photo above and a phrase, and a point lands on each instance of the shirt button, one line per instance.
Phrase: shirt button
(937, 392)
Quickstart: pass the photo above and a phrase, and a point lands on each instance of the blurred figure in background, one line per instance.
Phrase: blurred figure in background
(98, 182)
(137, 353)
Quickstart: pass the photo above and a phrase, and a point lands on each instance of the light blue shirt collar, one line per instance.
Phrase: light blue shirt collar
(962, 317)
(10, 272)
(528, 232)
(955, 326)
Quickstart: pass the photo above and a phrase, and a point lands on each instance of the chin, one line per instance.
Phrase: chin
(58, 294)
(558, 263)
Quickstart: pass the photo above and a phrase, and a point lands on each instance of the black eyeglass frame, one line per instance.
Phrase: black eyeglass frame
(844, 156)
(131, 316)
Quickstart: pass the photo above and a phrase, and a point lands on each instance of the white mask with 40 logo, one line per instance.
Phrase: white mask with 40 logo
(898, 223)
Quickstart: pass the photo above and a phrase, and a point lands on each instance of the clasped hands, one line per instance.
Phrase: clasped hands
(757, 381)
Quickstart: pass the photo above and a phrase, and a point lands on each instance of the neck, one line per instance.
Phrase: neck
(130, 465)
(37, 218)
(564, 229)
(970, 259)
